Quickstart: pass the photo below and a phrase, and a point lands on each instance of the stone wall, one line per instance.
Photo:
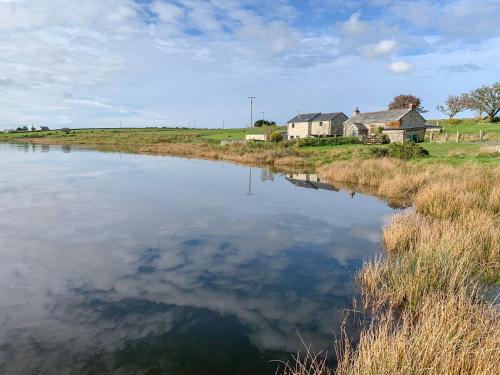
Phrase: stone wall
(419, 134)
(395, 135)
(338, 125)
(412, 119)
(320, 128)
(298, 130)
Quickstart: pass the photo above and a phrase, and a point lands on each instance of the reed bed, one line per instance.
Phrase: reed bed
(451, 334)
(425, 293)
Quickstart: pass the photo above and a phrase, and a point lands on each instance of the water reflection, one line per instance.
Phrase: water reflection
(139, 263)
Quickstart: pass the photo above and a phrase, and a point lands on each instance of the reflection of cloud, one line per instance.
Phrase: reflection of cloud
(83, 247)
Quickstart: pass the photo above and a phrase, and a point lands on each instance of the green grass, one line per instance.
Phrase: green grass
(134, 135)
(135, 138)
(467, 126)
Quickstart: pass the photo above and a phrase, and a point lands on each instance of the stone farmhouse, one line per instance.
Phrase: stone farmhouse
(398, 124)
(316, 125)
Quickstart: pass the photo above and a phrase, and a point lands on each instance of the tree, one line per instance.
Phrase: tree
(404, 101)
(485, 99)
(260, 123)
(454, 104)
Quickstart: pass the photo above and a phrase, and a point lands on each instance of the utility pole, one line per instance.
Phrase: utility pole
(222, 124)
(250, 183)
(251, 110)
(263, 115)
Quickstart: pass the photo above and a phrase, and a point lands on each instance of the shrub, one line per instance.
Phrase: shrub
(330, 141)
(379, 152)
(407, 150)
(275, 136)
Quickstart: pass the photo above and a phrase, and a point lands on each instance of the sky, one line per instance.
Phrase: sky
(99, 63)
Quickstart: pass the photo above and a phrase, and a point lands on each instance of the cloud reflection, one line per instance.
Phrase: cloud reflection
(90, 266)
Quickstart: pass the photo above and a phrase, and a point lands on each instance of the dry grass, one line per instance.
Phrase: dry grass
(449, 335)
(424, 293)
(247, 154)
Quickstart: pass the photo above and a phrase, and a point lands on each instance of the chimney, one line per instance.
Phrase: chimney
(356, 112)
(412, 106)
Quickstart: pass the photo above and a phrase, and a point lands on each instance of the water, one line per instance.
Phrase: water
(119, 263)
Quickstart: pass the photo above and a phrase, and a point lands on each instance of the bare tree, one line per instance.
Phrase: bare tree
(403, 102)
(485, 99)
(454, 104)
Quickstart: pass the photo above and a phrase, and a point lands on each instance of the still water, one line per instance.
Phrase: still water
(119, 263)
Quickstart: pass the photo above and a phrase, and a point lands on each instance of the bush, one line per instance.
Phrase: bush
(330, 141)
(276, 136)
(379, 152)
(405, 151)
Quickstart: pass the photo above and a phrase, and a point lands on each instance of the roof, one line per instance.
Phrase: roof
(382, 116)
(358, 126)
(327, 116)
(410, 128)
(303, 117)
(311, 184)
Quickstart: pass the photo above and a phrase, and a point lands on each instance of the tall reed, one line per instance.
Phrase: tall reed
(425, 292)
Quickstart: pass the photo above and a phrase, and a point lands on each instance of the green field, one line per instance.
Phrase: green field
(203, 142)
(467, 126)
(135, 135)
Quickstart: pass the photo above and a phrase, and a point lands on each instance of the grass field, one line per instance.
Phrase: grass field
(134, 135)
(469, 127)
(205, 143)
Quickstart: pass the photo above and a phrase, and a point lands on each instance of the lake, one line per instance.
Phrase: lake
(122, 263)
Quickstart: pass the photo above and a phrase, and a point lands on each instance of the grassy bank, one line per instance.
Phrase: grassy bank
(206, 143)
(426, 293)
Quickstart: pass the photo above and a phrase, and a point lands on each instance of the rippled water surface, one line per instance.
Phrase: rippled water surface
(118, 263)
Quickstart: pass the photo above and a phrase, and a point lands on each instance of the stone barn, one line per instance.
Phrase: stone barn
(316, 125)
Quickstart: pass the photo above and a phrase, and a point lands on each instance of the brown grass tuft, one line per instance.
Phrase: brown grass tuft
(439, 255)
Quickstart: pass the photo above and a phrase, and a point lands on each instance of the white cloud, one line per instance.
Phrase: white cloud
(400, 67)
(355, 26)
(168, 13)
(184, 59)
(380, 49)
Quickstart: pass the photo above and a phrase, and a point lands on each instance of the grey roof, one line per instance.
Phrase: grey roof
(358, 125)
(303, 117)
(382, 116)
(327, 116)
(312, 184)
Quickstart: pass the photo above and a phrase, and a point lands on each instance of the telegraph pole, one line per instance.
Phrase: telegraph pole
(222, 124)
(263, 114)
(251, 110)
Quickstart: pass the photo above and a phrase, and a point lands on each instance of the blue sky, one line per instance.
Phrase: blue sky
(165, 63)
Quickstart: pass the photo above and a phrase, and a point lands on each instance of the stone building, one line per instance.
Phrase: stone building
(398, 124)
(316, 125)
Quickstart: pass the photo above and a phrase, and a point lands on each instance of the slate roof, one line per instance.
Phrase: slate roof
(382, 116)
(304, 117)
(358, 126)
(327, 116)
(311, 185)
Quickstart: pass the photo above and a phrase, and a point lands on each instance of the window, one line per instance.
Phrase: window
(321, 123)
(291, 137)
(293, 125)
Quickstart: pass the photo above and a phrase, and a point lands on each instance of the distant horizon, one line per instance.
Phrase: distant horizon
(68, 64)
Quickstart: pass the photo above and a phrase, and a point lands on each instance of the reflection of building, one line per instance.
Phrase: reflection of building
(309, 181)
